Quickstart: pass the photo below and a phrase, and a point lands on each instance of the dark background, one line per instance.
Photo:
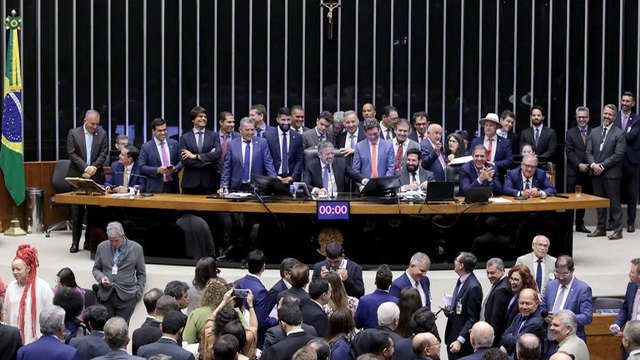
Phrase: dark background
(414, 54)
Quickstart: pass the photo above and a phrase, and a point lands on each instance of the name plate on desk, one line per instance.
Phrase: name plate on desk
(333, 210)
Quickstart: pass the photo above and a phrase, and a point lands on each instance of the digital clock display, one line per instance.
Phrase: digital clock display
(333, 210)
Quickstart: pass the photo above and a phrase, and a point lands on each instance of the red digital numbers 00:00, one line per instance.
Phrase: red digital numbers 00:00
(330, 210)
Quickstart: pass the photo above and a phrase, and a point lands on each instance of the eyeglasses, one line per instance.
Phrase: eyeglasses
(562, 275)
(436, 344)
(515, 280)
(529, 166)
(541, 245)
(582, 117)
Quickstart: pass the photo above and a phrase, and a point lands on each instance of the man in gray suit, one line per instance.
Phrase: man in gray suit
(541, 264)
(313, 137)
(120, 271)
(401, 143)
(88, 149)
(116, 335)
(605, 151)
(412, 176)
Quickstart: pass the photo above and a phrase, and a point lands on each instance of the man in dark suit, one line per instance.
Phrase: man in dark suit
(120, 271)
(286, 149)
(347, 140)
(388, 122)
(416, 277)
(172, 327)
(312, 313)
(160, 160)
(150, 331)
(605, 151)
(498, 149)
(412, 176)
(299, 281)
(275, 334)
(383, 163)
(245, 156)
(420, 122)
(577, 166)
(494, 308)
(631, 299)
(366, 315)
(528, 180)
(529, 320)
(127, 165)
(92, 345)
(10, 338)
(150, 301)
(629, 122)
(388, 316)
(116, 336)
(464, 309)
(482, 338)
(255, 263)
(258, 114)
(349, 271)
(285, 280)
(328, 174)
(290, 318)
(507, 119)
(88, 149)
(479, 173)
(368, 111)
(318, 134)
(48, 346)
(297, 119)
(199, 174)
(426, 347)
(432, 152)
(543, 138)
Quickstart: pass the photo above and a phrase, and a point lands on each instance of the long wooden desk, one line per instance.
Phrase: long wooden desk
(602, 344)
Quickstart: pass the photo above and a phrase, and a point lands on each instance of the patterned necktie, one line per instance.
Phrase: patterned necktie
(165, 160)
(224, 151)
(374, 160)
(604, 135)
(89, 138)
(537, 137)
(414, 179)
(399, 156)
(625, 118)
(247, 161)
(285, 155)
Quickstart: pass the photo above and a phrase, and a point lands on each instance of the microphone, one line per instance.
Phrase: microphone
(544, 313)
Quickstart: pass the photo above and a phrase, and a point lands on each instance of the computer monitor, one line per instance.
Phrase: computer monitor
(477, 195)
(440, 191)
(381, 186)
(271, 186)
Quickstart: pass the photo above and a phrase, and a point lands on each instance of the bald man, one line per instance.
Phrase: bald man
(560, 356)
(541, 264)
(529, 320)
(528, 347)
(426, 346)
(481, 340)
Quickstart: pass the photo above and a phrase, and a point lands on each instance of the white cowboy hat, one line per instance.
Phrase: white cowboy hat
(491, 117)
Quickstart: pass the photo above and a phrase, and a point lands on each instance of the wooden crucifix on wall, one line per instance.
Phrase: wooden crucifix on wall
(330, 6)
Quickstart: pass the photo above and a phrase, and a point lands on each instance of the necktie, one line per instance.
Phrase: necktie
(199, 141)
(625, 118)
(259, 132)
(224, 151)
(521, 325)
(537, 137)
(321, 138)
(414, 179)
(399, 156)
(490, 149)
(634, 313)
(539, 275)
(115, 256)
(442, 162)
(527, 185)
(325, 177)
(421, 138)
(604, 135)
(353, 141)
(455, 294)
(247, 160)
(388, 134)
(583, 132)
(374, 160)
(125, 178)
(165, 160)
(285, 155)
(89, 137)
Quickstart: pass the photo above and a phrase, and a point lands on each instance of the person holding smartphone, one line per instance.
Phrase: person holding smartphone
(160, 160)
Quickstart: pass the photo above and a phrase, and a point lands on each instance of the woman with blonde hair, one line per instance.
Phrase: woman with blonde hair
(212, 295)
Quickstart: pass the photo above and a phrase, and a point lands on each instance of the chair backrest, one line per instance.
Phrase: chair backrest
(311, 154)
(89, 298)
(60, 172)
(605, 303)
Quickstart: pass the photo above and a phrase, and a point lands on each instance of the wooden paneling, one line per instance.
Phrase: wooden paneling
(602, 344)
(37, 175)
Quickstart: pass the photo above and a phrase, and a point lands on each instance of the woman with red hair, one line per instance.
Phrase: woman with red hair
(27, 295)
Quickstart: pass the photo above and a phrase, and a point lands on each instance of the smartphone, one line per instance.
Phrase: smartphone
(170, 167)
(241, 293)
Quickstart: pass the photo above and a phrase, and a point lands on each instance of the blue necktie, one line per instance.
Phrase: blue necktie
(259, 132)
(89, 144)
(247, 160)
(353, 141)
(325, 178)
(455, 293)
(539, 275)
(115, 256)
(285, 155)
(537, 137)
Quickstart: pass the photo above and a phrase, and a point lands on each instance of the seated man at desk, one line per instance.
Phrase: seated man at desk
(125, 173)
(412, 176)
(479, 173)
(528, 180)
(328, 174)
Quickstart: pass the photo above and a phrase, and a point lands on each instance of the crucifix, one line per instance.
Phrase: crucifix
(330, 6)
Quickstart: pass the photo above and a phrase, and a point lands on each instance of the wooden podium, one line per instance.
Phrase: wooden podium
(602, 344)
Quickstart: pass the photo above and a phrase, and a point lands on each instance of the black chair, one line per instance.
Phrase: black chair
(605, 303)
(90, 298)
(61, 186)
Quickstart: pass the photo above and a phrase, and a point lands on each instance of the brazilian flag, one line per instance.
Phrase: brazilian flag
(11, 153)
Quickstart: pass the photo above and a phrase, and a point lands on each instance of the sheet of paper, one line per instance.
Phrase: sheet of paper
(192, 348)
(499, 200)
(447, 299)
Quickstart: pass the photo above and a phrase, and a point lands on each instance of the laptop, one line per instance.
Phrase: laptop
(440, 191)
(477, 195)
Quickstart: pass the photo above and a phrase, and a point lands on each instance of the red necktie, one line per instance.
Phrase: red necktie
(399, 156)
(224, 150)
(374, 160)
(490, 150)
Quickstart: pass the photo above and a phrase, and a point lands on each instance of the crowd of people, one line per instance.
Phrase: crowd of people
(537, 309)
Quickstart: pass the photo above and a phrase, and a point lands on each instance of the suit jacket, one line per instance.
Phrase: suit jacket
(260, 303)
(119, 354)
(632, 137)
(579, 301)
(575, 149)
(514, 141)
(275, 335)
(295, 292)
(503, 158)
(132, 275)
(413, 135)
(77, 150)
(408, 144)
(424, 175)
(310, 138)
(626, 310)
(150, 160)
(90, 346)
(366, 315)
(47, 347)
(495, 310)
(116, 176)
(477, 354)
(261, 162)
(534, 324)
(198, 172)
(276, 289)
(513, 182)
(430, 160)
(284, 350)
(167, 347)
(341, 139)
(468, 176)
(611, 154)
(10, 341)
(341, 171)
(404, 282)
(362, 341)
(314, 315)
(470, 297)
(547, 142)
(296, 153)
(146, 334)
(261, 135)
(403, 349)
(550, 266)
(353, 284)
(386, 159)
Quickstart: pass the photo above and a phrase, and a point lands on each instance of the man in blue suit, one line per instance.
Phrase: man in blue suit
(627, 312)
(479, 173)
(432, 155)
(245, 156)
(415, 277)
(384, 162)
(286, 148)
(172, 327)
(566, 292)
(367, 311)
(528, 180)
(498, 148)
(160, 160)
(48, 346)
(528, 321)
(116, 335)
(255, 265)
(258, 114)
(629, 122)
(92, 345)
(126, 165)
(199, 171)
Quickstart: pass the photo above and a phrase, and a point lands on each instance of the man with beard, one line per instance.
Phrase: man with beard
(543, 138)
(629, 123)
(412, 177)
(286, 148)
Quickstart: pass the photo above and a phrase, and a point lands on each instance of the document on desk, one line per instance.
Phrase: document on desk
(238, 195)
(120, 195)
(499, 200)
